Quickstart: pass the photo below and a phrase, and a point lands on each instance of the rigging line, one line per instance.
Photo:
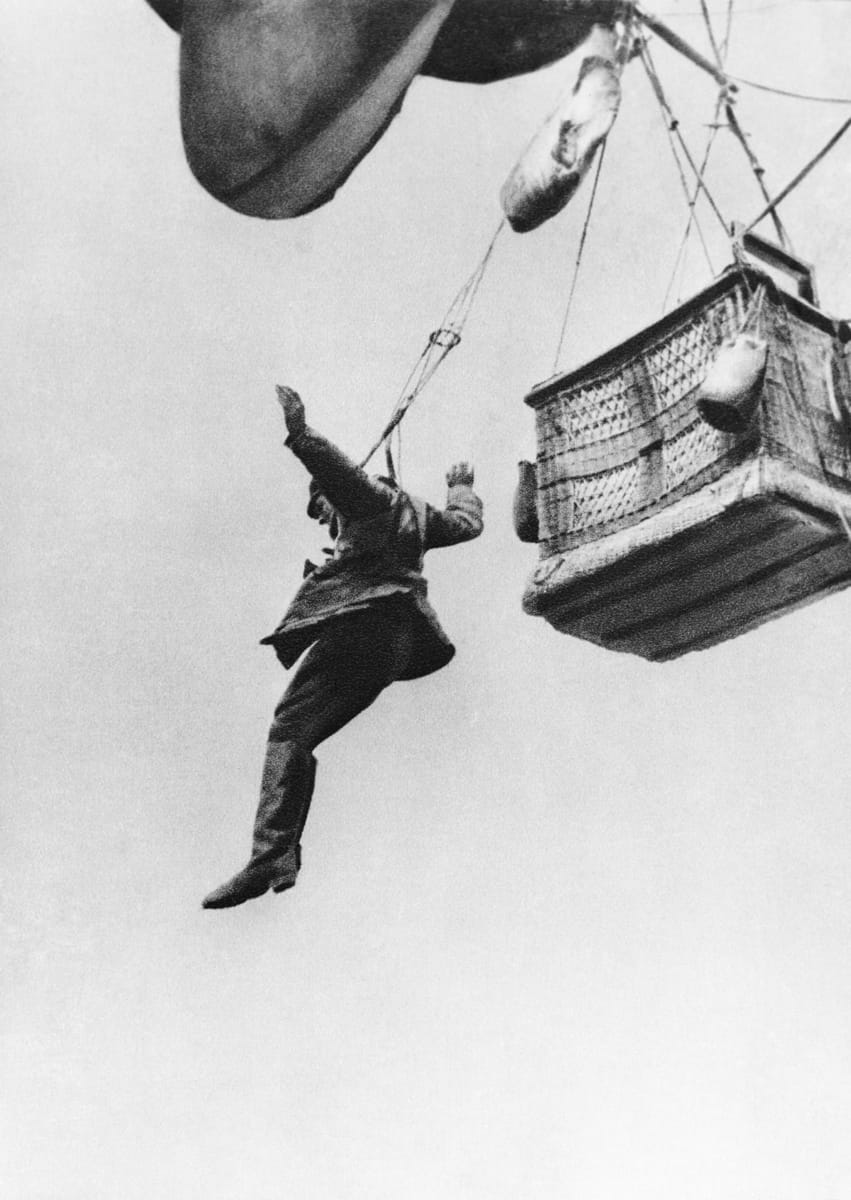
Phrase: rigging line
(720, 55)
(758, 170)
(452, 324)
(436, 349)
(711, 32)
(801, 175)
(721, 77)
(751, 8)
(739, 133)
(699, 229)
(388, 460)
(624, 50)
(776, 91)
(579, 253)
(405, 403)
(394, 468)
(681, 46)
(684, 185)
(622, 55)
(753, 317)
(733, 122)
(692, 215)
(725, 45)
(673, 126)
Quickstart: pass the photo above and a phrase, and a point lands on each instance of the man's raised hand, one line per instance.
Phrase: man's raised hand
(460, 473)
(291, 403)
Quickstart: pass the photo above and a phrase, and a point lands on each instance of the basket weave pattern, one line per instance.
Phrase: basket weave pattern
(621, 442)
(805, 412)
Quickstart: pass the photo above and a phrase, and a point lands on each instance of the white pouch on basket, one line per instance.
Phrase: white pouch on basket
(729, 395)
(525, 507)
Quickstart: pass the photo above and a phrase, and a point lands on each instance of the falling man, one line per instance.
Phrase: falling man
(365, 622)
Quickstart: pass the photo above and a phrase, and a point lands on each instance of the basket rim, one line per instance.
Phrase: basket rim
(617, 356)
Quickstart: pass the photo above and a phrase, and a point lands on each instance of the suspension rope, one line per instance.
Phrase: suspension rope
(728, 29)
(440, 342)
(751, 8)
(722, 77)
(758, 170)
(623, 53)
(733, 122)
(802, 174)
(681, 46)
(692, 214)
(579, 253)
(735, 127)
(672, 125)
(752, 320)
(716, 50)
(720, 56)
(776, 91)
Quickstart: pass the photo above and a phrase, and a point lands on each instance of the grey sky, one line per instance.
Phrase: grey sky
(569, 924)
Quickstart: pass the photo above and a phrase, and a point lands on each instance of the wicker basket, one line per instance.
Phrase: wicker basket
(659, 534)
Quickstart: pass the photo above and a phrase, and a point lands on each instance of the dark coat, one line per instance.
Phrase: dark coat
(383, 534)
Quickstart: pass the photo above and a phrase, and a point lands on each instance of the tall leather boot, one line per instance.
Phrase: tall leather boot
(285, 793)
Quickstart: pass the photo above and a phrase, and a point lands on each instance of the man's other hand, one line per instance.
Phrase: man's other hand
(460, 473)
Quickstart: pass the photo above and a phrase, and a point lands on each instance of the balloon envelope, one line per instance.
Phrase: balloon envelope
(280, 99)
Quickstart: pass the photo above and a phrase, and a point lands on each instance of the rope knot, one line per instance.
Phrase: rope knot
(444, 337)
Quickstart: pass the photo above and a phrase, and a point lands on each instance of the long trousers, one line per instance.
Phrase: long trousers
(355, 658)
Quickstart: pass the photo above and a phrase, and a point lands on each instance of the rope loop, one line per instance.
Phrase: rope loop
(444, 337)
(753, 317)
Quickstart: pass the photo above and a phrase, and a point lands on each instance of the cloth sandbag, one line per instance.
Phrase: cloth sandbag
(729, 396)
(559, 156)
(526, 503)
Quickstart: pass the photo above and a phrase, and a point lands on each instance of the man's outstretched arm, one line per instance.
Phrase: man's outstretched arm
(344, 484)
(461, 520)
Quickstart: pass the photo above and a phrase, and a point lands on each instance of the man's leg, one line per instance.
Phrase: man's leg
(341, 675)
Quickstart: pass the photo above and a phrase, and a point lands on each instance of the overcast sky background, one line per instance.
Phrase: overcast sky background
(569, 924)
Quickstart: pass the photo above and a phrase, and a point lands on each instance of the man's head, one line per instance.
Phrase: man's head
(318, 506)
(320, 509)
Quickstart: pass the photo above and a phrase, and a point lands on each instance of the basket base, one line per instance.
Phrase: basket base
(760, 542)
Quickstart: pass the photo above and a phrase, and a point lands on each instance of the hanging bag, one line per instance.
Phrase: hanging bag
(559, 156)
(728, 398)
(525, 510)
